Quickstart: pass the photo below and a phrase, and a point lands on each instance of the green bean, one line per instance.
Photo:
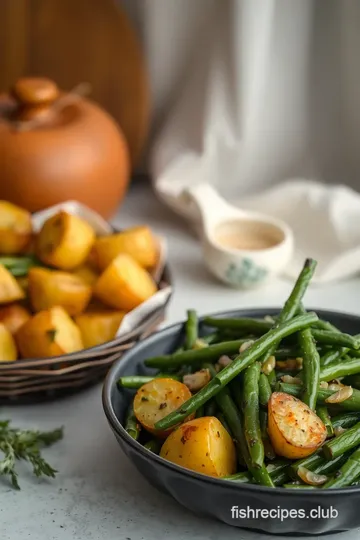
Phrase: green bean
(261, 345)
(210, 338)
(342, 443)
(247, 325)
(293, 302)
(264, 390)
(352, 380)
(251, 414)
(200, 412)
(234, 419)
(136, 381)
(333, 355)
(154, 445)
(330, 467)
(272, 379)
(311, 462)
(345, 420)
(350, 404)
(347, 474)
(336, 338)
(280, 478)
(240, 363)
(323, 414)
(273, 469)
(318, 464)
(311, 367)
(221, 418)
(341, 369)
(242, 477)
(263, 416)
(325, 337)
(191, 329)
(285, 353)
(325, 325)
(20, 266)
(197, 356)
(210, 408)
(132, 426)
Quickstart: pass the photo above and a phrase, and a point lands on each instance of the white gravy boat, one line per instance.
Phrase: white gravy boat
(242, 248)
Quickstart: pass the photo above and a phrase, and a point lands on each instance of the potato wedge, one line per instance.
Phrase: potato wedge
(8, 351)
(98, 327)
(13, 317)
(15, 228)
(10, 290)
(202, 445)
(48, 288)
(157, 399)
(49, 333)
(64, 241)
(87, 274)
(295, 431)
(138, 242)
(124, 284)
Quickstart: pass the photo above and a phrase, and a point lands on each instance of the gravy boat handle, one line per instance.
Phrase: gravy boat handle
(212, 208)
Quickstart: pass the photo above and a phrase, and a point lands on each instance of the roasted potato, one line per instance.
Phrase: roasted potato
(137, 242)
(49, 333)
(295, 431)
(202, 445)
(13, 317)
(157, 399)
(23, 283)
(124, 284)
(10, 290)
(15, 228)
(48, 288)
(87, 274)
(8, 351)
(98, 327)
(64, 241)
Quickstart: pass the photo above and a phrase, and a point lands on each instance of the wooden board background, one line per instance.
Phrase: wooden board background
(73, 41)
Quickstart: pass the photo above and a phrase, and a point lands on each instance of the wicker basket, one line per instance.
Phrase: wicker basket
(48, 378)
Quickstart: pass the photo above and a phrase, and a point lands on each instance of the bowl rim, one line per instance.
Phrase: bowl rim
(119, 429)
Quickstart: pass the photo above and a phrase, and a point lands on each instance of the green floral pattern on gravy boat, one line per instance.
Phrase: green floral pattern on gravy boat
(245, 273)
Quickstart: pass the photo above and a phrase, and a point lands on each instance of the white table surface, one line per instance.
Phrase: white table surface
(98, 494)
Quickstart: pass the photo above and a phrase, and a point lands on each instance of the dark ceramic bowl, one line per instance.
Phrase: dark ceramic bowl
(221, 499)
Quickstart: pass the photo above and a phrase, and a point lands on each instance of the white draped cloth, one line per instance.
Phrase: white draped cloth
(252, 94)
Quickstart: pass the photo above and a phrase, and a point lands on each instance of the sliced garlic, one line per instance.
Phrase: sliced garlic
(341, 395)
(310, 477)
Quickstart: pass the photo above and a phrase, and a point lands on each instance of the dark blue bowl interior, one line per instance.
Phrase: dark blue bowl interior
(215, 497)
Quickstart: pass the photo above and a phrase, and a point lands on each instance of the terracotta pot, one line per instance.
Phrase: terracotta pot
(56, 147)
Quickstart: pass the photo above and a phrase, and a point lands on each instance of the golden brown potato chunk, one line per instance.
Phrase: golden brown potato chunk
(13, 317)
(64, 241)
(98, 327)
(8, 351)
(15, 228)
(202, 445)
(10, 290)
(49, 333)
(137, 242)
(124, 284)
(48, 288)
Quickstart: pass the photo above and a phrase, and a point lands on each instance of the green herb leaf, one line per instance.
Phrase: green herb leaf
(25, 445)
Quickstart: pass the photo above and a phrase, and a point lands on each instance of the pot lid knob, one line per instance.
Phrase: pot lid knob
(35, 91)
